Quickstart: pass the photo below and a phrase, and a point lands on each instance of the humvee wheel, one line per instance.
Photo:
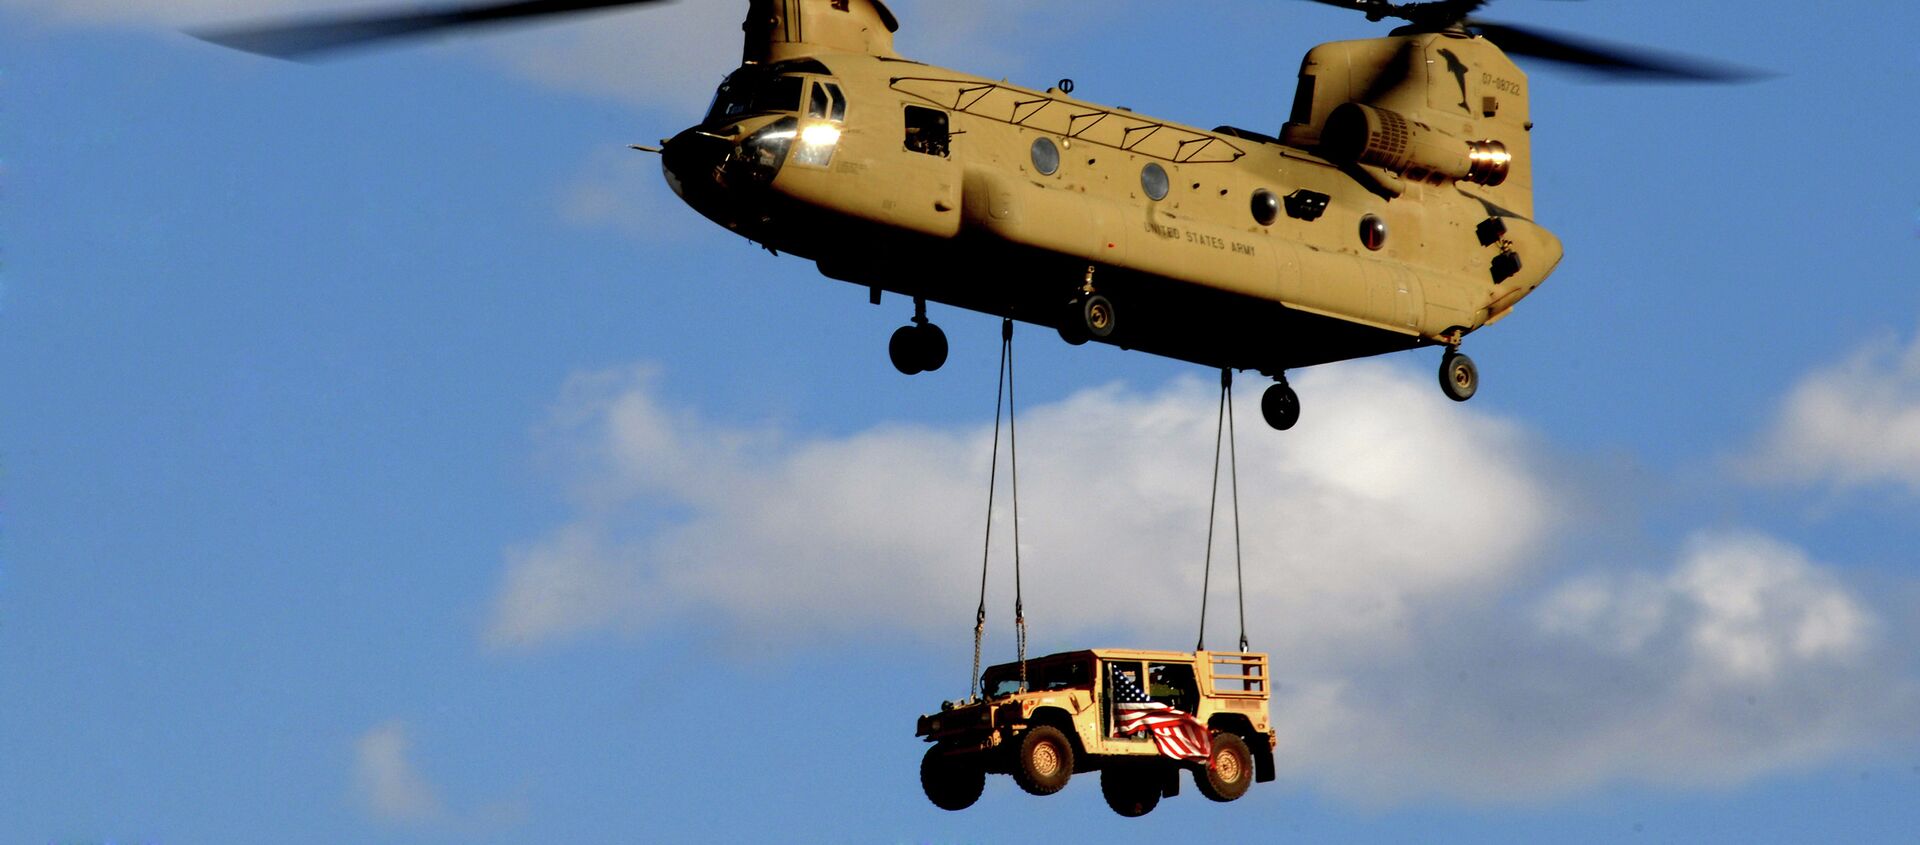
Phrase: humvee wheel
(1131, 791)
(1229, 769)
(949, 782)
(1459, 378)
(1044, 760)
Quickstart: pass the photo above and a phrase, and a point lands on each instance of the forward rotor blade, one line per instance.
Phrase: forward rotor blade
(1606, 58)
(1434, 13)
(310, 36)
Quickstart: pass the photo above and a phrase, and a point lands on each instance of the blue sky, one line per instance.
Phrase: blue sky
(385, 455)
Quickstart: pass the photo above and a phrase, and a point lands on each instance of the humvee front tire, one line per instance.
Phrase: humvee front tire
(1229, 769)
(950, 783)
(1043, 760)
(1131, 791)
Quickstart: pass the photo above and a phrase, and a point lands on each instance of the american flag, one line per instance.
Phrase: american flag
(1176, 734)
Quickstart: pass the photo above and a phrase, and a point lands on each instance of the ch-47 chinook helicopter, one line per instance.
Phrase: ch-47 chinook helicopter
(1392, 211)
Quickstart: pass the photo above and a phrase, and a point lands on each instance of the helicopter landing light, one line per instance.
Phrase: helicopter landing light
(816, 144)
(820, 135)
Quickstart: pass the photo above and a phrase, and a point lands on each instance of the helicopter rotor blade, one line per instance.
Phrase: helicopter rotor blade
(303, 37)
(1612, 60)
(1435, 13)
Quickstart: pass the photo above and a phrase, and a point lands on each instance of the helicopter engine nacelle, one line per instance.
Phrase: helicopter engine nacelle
(1361, 134)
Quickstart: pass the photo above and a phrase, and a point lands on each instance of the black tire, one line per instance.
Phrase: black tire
(1072, 329)
(932, 342)
(1280, 406)
(1459, 378)
(904, 351)
(950, 782)
(1097, 315)
(1229, 769)
(1043, 760)
(1131, 791)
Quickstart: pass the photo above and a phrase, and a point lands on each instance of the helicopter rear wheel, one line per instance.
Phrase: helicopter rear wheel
(920, 348)
(1280, 406)
(1097, 315)
(1072, 330)
(1459, 379)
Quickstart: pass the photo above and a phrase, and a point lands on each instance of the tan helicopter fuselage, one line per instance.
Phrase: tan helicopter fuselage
(1392, 212)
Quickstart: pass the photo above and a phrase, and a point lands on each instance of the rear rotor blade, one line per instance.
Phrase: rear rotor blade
(315, 35)
(1606, 58)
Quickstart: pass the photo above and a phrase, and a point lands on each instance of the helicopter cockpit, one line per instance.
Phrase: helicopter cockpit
(810, 110)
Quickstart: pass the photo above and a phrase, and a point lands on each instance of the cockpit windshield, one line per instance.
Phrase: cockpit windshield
(753, 92)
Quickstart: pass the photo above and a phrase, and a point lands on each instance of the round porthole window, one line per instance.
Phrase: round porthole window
(1046, 156)
(1153, 180)
(1266, 207)
(1373, 232)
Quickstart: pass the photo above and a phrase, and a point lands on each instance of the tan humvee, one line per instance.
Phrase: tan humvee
(1068, 721)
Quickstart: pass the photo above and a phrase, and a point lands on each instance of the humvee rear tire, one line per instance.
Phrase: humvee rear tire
(1131, 791)
(1229, 769)
(950, 783)
(1043, 760)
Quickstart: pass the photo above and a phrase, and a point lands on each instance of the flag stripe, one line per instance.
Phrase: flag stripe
(1175, 734)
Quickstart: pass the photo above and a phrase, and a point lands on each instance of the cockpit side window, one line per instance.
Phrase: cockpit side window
(817, 104)
(827, 103)
(838, 111)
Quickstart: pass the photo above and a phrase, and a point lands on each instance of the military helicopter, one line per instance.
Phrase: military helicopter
(1392, 211)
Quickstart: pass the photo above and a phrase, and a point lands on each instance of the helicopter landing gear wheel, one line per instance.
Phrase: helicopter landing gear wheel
(1459, 379)
(1280, 406)
(1097, 316)
(1072, 329)
(919, 348)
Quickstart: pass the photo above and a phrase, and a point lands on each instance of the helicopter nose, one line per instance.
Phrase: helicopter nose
(692, 161)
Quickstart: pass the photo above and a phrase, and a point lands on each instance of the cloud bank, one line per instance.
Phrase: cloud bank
(1853, 425)
(1398, 560)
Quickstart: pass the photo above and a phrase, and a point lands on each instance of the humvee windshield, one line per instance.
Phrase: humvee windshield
(1050, 675)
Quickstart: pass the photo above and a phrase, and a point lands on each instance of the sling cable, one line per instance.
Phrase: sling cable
(1223, 433)
(1003, 390)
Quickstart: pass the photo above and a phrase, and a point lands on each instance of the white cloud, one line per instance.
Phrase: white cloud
(385, 781)
(1849, 426)
(1394, 561)
(1345, 524)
